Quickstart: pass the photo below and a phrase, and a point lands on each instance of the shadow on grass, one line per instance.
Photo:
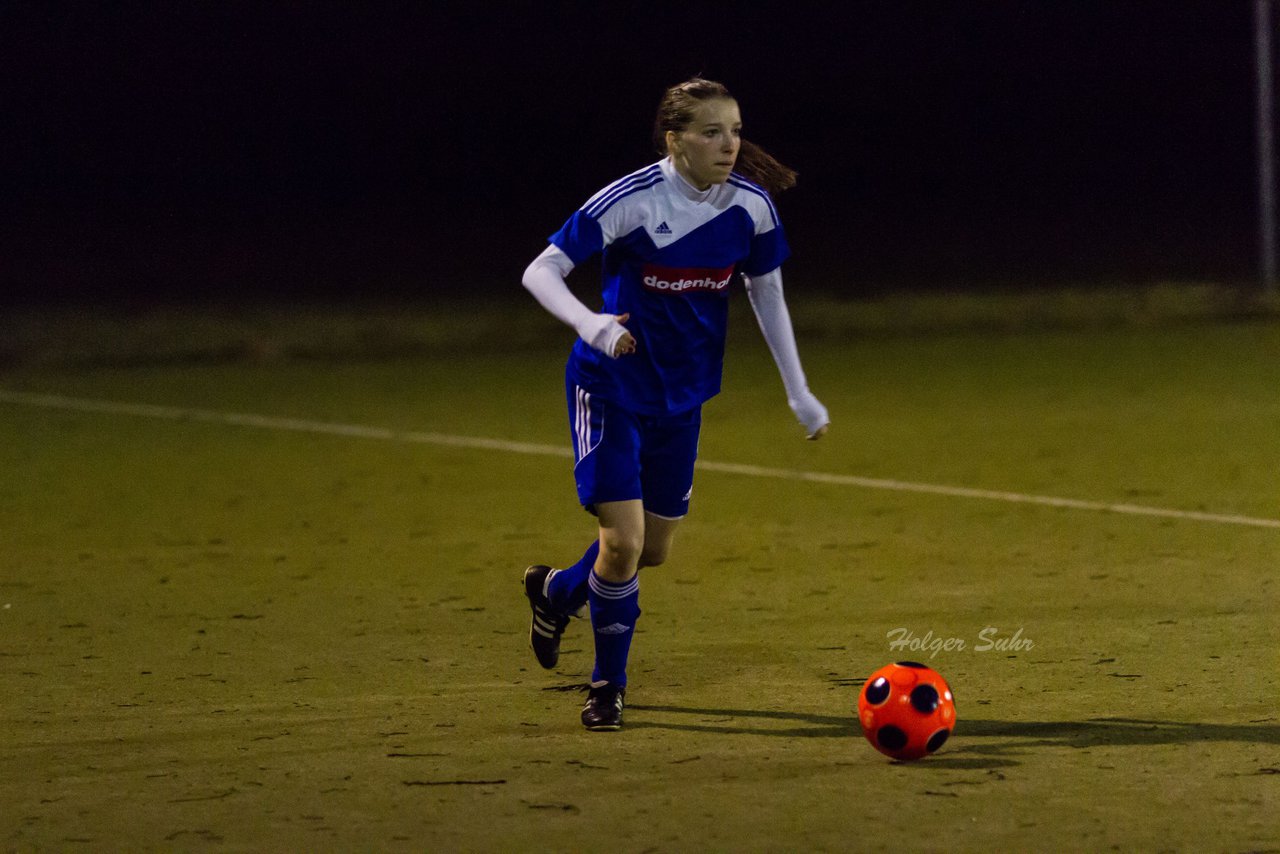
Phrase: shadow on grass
(726, 721)
(1105, 732)
(978, 741)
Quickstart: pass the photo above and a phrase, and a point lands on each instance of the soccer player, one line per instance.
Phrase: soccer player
(673, 236)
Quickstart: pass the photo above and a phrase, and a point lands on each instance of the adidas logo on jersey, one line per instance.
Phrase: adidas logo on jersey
(662, 228)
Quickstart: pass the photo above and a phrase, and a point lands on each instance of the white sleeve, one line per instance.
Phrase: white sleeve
(765, 293)
(545, 279)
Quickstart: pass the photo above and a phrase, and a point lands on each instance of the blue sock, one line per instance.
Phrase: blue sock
(567, 588)
(614, 610)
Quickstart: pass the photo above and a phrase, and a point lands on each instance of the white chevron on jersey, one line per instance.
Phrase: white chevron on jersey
(638, 180)
(658, 199)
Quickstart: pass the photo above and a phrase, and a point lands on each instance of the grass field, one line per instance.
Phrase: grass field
(274, 633)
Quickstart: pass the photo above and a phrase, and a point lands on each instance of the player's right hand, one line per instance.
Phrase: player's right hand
(605, 332)
(626, 343)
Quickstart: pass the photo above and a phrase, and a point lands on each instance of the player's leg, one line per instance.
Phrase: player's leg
(606, 469)
(615, 604)
(567, 588)
(668, 452)
(667, 458)
(635, 534)
(659, 534)
(614, 600)
(622, 539)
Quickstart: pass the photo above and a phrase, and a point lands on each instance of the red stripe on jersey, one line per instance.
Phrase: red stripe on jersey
(679, 280)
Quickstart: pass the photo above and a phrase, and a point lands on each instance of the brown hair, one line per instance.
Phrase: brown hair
(675, 113)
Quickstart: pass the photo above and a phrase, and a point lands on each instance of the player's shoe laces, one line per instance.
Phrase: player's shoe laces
(603, 711)
(548, 623)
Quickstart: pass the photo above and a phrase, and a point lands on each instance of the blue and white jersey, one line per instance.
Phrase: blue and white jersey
(670, 254)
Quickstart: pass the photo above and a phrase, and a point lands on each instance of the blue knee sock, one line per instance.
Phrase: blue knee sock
(567, 589)
(614, 611)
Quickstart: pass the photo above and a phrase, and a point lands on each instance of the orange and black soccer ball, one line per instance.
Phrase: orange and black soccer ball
(906, 710)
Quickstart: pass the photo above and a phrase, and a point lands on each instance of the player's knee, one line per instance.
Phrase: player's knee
(655, 554)
(619, 557)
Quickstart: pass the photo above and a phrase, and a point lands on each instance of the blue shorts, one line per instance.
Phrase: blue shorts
(620, 456)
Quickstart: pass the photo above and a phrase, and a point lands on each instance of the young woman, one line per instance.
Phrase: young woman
(673, 234)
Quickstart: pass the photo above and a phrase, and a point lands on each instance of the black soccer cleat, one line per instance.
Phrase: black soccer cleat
(603, 711)
(548, 624)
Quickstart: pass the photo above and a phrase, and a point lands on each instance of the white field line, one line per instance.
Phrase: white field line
(359, 431)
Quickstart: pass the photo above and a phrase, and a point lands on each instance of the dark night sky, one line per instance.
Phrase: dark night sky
(169, 150)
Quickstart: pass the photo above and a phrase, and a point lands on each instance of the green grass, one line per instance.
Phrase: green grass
(247, 639)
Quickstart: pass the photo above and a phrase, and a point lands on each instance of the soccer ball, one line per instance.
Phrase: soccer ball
(906, 710)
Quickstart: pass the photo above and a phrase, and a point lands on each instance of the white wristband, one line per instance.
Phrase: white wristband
(602, 332)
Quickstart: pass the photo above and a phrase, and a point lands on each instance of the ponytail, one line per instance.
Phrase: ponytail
(759, 166)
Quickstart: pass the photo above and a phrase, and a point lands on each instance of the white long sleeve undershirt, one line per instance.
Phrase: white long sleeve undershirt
(545, 279)
(770, 307)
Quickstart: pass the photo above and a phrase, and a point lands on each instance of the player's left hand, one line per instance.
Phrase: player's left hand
(811, 413)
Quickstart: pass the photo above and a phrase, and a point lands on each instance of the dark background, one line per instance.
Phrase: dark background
(218, 150)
